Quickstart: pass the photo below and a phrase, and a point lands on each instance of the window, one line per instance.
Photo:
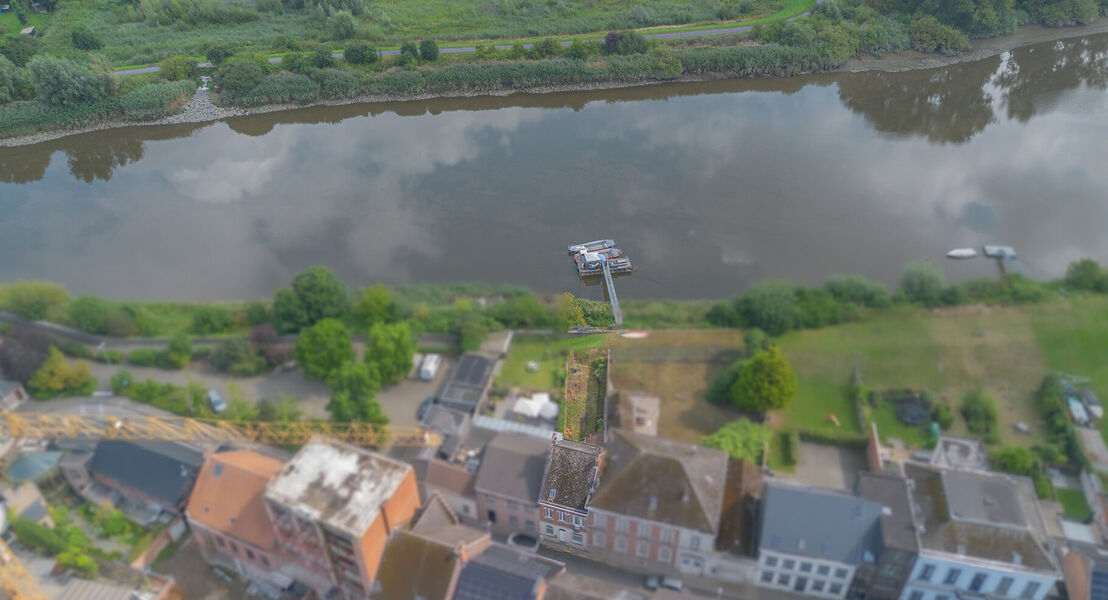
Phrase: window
(835, 589)
(578, 521)
(621, 544)
(823, 570)
(513, 520)
(492, 516)
(642, 549)
(666, 535)
(977, 582)
(578, 538)
(530, 525)
(1003, 587)
(952, 576)
(265, 561)
(490, 499)
(553, 492)
(561, 517)
(926, 573)
(817, 585)
(771, 561)
(549, 530)
(789, 564)
(801, 583)
(219, 541)
(664, 554)
(465, 508)
(549, 514)
(840, 573)
(234, 548)
(599, 520)
(805, 567)
(250, 554)
(598, 539)
(767, 576)
(513, 505)
(915, 595)
(783, 579)
(645, 530)
(621, 524)
(694, 542)
(1030, 590)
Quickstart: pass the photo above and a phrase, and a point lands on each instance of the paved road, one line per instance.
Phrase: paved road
(669, 35)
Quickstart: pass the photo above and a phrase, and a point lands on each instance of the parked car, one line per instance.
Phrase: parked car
(216, 402)
(424, 407)
(673, 583)
(653, 582)
(429, 367)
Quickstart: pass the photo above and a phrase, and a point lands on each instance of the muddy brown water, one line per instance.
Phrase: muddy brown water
(707, 186)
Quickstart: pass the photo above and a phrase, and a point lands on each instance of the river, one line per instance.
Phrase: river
(707, 186)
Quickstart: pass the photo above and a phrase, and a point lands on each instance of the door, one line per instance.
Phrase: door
(561, 534)
(492, 516)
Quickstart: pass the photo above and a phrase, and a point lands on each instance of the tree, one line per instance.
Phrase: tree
(257, 313)
(547, 48)
(927, 34)
(390, 348)
(409, 53)
(569, 312)
(32, 300)
(754, 341)
(239, 407)
(57, 378)
(770, 306)
(176, 68)
(286, 409)
(83, 39)
(22, 354)
(943, 415)
(342, 25)
(922, 282)
(238, 77)
(323, 348)
(237, 356)
(522, 311)
(740, 439)
(625, 42)
(179, 352)
(89, 313)
(1087, 274)
(316, 294)
(980, 412)
(719, 391)
(360, 53)
(855, 289)
(120, 323)
(353, 389)
(18, 49)
(429, 50)
(63, 83)
(375, 305)
(322, 59)
(766, 382)
(577, 51)
(219, 53)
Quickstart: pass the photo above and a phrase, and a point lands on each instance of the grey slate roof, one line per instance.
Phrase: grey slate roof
(663, 480)
(570, 473)
(29, 466)
(891, 491)
(467, 382)
(513, 466)
(989, 516)
(7, 387)
(501, 573)
(162, 470)
(818, 523)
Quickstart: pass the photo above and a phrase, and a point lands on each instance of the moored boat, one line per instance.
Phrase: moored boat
(960, 253)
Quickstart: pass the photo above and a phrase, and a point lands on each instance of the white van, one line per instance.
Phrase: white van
(429, 367)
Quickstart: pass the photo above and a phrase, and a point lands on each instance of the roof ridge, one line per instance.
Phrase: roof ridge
(436, 496)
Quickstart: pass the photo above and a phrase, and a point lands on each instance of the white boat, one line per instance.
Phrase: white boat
(960, 253)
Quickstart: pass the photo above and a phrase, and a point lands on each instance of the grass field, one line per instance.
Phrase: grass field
(549, 352)
(1073, 503)
(11, 23)
(1004, 351)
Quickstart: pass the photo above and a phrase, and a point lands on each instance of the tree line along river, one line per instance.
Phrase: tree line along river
(707, 186)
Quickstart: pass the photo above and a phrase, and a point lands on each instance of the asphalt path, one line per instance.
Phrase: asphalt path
(669, 35)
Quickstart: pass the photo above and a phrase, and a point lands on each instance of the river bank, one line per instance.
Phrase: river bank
(201, 109)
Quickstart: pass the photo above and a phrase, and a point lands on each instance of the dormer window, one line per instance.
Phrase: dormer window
(553, 492)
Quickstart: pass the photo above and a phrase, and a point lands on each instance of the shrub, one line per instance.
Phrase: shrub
(143, 357)
(765, 382)
(89, 313)
(798, 34)
(625, 42)
(193, 12)
(63, 83)
(927, 34)
(238, 77)
(321, 58)
(79, 562)
(547, 48)
(219, 53)
(855, 289)
(257, 313)
(57, 378)
(790, 447)
(238, 357)
(980, 412)
(83, 39)
(176, 68)
(770, 306)
(120, 382)
(836, 437)
(1086, 274)
(360, 53)
(178, 354)
(409, 54)
(39, 537)
(943, 415)
(342, 25)
(922, 282)
(429, 50)
(209, 319)
(740, 439)
(577, 51)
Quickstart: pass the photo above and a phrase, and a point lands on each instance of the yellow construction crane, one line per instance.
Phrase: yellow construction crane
(18, 584)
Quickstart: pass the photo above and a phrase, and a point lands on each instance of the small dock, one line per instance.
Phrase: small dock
(612, 297)
(602, 258)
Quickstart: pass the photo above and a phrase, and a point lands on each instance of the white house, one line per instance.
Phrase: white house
(981, 535)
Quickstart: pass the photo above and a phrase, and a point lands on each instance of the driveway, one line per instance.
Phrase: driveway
(827, 466)
(401, 401)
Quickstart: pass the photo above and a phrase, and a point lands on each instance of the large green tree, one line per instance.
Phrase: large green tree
(766, 382)
(770, 306)
(1087, 274)
(354, 388)
(316, 294)
(89, 313)
(740, 439)
(323, 348)
(922, 282)
(390, 348)
(374, 305)
(63, 83)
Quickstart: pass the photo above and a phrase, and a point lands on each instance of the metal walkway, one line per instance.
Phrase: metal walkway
(612, 297)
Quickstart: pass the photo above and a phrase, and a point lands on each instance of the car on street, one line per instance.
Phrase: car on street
(653, 582)
(216, 402)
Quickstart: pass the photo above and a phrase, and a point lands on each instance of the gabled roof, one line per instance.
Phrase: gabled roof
(162, 470)
(990, 516)
(570, 474)
(502, 573)
(898, 530)
(414, 566)
(662, 480)
(819, 523)
(339, 485)
(513, 466)
(228, 496)
(450, 477)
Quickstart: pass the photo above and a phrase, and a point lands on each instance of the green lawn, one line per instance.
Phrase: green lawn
(549, 352)
(814, 401)
(890, 426)
(1073, 504)
(11, 22)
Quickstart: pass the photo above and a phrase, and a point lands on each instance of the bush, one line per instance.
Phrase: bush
(927, 34)
(321, 58)
(770, 306)
(547, 48)
(183, 13)
(211, 319)
(257, 313)
(855, 289)
(922, 282)
(429, 50)
(39, 537)
(765, 382)
(790, 447)
(219, 53)
(83, 39)
(625, 42)
(89, 313)
(32, 300)
(120, 382)
(1086, 274)
(238, 357)
(360, 53)
(577, 51)
(176, 68)
(980, 412)
(409, 54)
(238, 77)
(342, 25)
(943, 415)
(740, 439)
(79, 562)
(143, 357)
(57, 378)
(836, 437)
